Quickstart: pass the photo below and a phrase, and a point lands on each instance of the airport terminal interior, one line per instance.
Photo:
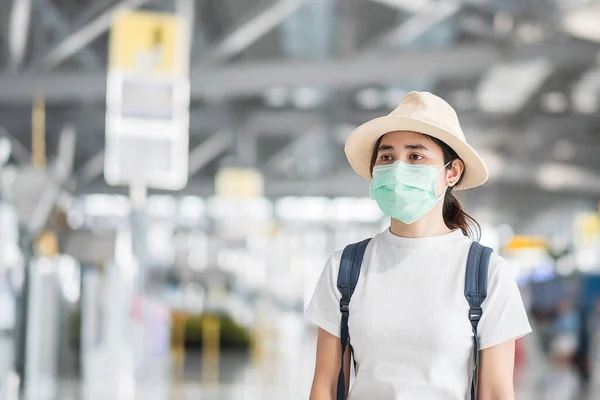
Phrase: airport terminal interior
(173, 181)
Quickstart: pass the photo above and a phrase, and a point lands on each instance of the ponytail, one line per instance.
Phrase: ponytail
(456, 218)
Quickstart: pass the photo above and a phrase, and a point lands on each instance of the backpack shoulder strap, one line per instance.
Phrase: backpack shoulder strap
(476, 285)
(348, 275)
(349, 271)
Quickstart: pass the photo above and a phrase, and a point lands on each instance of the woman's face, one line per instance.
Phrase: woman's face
(414, 148)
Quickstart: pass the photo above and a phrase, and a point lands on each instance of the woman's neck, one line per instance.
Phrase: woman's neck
(430, 225)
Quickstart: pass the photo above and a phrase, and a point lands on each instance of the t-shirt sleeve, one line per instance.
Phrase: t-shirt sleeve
(504, 316)
(324, 307)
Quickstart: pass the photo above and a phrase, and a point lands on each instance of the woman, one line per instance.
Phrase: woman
(409, 331)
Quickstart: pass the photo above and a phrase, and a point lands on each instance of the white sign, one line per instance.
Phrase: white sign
(147, 117)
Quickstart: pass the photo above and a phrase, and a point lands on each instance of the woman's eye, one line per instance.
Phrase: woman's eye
(415, 157)
(386, 157)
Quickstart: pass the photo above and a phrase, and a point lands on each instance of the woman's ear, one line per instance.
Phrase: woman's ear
(455, 172)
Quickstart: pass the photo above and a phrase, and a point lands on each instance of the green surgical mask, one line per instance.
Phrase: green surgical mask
(405, 192)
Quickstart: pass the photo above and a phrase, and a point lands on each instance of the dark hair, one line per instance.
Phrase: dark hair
(454, 215)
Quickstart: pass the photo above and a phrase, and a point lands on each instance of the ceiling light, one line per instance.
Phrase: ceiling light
(234, 208)
(370, 98)
(343, 131)
(393, 97)
(303, 208)
(554, 102)
(276, 97)
(105, 205)
(556, 176)
(506, 88)
(583, 23)
(161, 206)
(191, 207)
(307, 97)
(531, 32)
(587, 259)
(494, 163)
(503, 22)
(75, 219)
(5, 150)
(585, 103)
(345, 209)
(586, 91)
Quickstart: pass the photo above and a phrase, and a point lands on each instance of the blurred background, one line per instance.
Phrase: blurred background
(172, 181)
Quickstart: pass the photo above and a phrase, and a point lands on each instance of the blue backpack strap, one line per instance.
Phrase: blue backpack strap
(348, 275)
(476, 282)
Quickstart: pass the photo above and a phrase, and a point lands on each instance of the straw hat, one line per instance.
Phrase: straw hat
(420, 112)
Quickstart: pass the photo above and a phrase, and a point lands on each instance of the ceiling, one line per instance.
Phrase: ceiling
(289, 79)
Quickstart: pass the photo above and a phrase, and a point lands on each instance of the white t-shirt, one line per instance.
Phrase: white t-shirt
(409, 324)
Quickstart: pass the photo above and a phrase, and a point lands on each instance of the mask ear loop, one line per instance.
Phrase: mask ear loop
(448, 163)
(441, 196)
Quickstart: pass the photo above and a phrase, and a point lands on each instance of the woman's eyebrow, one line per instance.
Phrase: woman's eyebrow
(386, 147)
(415, 147)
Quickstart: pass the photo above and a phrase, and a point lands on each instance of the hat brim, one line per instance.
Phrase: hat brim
(360, 145)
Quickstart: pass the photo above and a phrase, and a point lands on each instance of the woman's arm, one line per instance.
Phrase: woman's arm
(496, 371)
(327, 368)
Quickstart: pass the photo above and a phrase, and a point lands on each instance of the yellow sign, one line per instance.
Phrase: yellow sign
(47, 244)
(239, 183)
(520, 242)
(147, 42)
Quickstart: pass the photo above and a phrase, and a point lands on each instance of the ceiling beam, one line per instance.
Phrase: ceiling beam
(405, 5)
(209, 150)
(279, 160)
(252, 29)
(416, 26)
(86, 34)
(347, 23)
(416, 6)
(92, 10)
(20, 17)
(21, 154)
(253, 78)
(92, 169)
(55, 21)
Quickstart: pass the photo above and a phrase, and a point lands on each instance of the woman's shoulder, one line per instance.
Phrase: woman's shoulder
(501, 272)
(335, 257)
(499, 263)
